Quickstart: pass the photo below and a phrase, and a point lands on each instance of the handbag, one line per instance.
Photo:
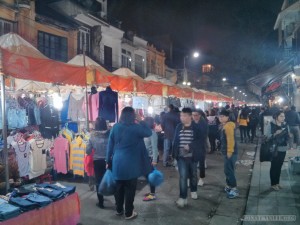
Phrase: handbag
(267, 150)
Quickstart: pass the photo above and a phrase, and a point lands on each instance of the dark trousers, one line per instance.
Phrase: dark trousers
(229, 170)
(276, 164)
(253, 132)
(99, 168)
(202, 164)
(244, 133)
(125, 192)
(212, 140)
(187, 169)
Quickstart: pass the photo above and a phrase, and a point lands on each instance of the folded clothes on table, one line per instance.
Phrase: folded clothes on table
(38, 199)
(68, 189)
(24, 204)
(51, 193)
(8, 211)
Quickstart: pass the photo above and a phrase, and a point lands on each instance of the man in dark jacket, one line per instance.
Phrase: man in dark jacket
(201, 121)
(187, 152)
(293, 121)
(169, 123)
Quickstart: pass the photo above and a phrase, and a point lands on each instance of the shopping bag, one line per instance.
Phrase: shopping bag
(108, 185)
(155, 178)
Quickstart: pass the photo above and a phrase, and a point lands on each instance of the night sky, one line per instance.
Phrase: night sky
(236, 36)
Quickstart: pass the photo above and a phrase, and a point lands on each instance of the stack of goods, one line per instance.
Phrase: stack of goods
(30, 197)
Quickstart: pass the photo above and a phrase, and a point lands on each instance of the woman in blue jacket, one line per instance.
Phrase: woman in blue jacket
(129, 158)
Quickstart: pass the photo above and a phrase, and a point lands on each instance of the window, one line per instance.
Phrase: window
(126, 58)
(139, 65)
(108, 58)
(207, 68)
(84, 41)
(52, 46)
(5, 27)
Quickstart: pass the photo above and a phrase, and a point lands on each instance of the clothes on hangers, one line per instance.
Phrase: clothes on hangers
(93, 106)
(108, 105)
(60, 153)
(37, 156)
(75, 112)
(22, 149)
(77, 152)
(49, 122)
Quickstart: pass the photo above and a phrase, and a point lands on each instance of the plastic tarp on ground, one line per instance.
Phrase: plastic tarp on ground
(18, 62)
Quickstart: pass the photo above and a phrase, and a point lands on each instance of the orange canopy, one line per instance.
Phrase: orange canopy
(40, 69)
(153, 88)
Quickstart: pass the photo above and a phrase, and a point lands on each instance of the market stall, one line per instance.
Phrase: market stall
(32, 118)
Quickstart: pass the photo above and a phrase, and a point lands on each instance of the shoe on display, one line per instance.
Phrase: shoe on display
(194, 195)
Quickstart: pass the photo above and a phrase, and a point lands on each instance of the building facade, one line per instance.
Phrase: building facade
(55, 40)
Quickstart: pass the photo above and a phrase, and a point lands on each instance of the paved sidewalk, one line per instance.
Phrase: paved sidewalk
(212, 207)
(263, 201)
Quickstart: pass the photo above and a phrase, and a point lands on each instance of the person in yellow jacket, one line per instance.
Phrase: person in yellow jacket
(230, 151)
(243, 121)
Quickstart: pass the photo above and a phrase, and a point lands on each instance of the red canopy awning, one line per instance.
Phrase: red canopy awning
(43, 70)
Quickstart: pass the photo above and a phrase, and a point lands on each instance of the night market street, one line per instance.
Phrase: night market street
(212, 207)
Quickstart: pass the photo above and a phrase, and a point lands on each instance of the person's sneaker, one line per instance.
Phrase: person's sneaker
(149, 197)
(275, 188)
(133, 216)
(181, 202)
(200, 182)
(194, 195)
(119, 213)
(280, 187)
(227, 189)
(100, 205)
(233, 193)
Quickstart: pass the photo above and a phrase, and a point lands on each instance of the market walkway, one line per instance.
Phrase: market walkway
(263, 201)
(212, 207)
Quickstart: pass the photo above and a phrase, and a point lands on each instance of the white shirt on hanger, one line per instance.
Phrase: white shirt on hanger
(22, 149)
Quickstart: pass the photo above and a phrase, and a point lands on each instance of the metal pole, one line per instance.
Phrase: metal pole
(86, 96)
(4, 131)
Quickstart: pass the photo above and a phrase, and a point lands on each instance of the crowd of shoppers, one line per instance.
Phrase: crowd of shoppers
(130, 148)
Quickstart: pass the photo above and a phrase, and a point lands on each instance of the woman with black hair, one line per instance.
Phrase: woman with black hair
(280, 135)
(243, 121)
(129, 158)
(98, 142)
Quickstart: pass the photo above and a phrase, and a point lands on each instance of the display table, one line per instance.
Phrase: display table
(62, 212)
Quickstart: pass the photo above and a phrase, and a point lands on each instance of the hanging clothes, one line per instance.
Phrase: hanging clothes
(108, 105)
(49, 122)
(64, 110)
(77, 152)
(22, 149)
(60, 153)
(75, 112)
(93, 106)
(16, 115)
(38, 156)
